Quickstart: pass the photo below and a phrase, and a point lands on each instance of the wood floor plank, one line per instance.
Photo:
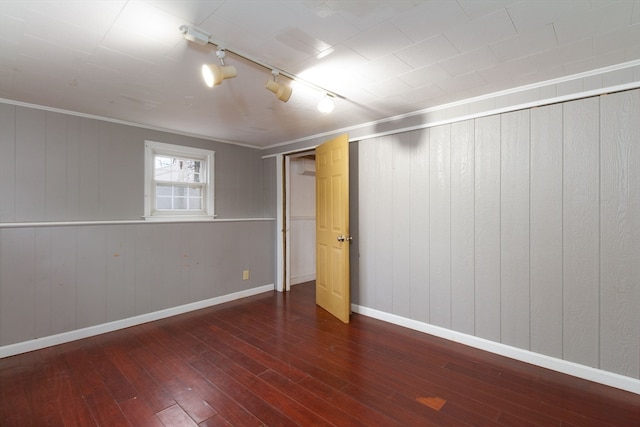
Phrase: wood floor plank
(175, 416)
(138, 413)
(278, 360)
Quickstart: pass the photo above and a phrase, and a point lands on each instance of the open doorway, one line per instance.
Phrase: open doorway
(300, 218)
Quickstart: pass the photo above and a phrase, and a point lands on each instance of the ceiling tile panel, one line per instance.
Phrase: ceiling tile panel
(422, 94)
(337, 71)
(466, 62)
(595, 21)
(383, 68)
(370, 45)
(527, 16)
(507, 70)
(425, 76)
(525, 44)
(610, 58)
(482, 31)
(94, 16)
(462, 82)
(316, 27)
(475, 9)
(365, 15)
(429, 19)
(148, 23)
(190, 11)
(622, 38)
(426, 52)
(60, 33)
(389, 87)
(572, 52)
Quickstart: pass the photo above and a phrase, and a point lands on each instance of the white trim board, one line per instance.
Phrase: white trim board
(570, 368)
(40, 343)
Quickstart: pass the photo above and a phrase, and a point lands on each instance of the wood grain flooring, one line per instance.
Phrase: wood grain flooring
(278, 360)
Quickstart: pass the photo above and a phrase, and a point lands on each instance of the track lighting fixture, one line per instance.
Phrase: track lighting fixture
(283, 93)
(195, 35)
(213, 74)
(326, 104)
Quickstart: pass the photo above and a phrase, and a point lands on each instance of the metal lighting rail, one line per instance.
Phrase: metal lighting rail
(201, 37)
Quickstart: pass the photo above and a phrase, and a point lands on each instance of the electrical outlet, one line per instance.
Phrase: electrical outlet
(245, 275)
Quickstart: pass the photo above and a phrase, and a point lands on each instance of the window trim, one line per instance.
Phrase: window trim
(151, 148)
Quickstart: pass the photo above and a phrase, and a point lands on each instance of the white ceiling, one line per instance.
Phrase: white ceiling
(127, 60)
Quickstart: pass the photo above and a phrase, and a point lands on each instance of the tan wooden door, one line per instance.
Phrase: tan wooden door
(332, 227)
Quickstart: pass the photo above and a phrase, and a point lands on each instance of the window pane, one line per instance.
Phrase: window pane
(195, 192)
(177, 169)
(180, 203)
(163, 203)
(164, 190)
(195, 203)
(179, 191)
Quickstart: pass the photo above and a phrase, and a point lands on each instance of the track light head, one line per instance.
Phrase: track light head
(213, 74)
(283, 93)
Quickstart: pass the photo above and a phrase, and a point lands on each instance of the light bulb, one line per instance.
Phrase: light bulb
(325, 105)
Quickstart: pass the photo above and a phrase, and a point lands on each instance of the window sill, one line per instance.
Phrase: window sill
(180, 218)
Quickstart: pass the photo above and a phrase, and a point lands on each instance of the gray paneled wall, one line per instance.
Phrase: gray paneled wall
(522, 228)
(59, 167)
(56, 167)
(59, 279)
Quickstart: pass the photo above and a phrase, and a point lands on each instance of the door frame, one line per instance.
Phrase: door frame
(283, 219)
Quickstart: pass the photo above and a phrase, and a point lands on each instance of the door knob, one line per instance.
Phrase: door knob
(342, 238)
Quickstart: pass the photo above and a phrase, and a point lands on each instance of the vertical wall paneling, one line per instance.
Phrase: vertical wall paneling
(419, 235)
(119, 165)
(64, 286)
(546, 230)
(186, 265)
(91, 275)
(540, 213)
(581, 231)
(7, 162)
(354, 231)
(89, 180)
(487, 227)
(55, 167)
(193, 267)
(129, 251)
(401, 220)
(115, 273)
(171, 256)
(462, 226)
(440, 226)
(620, 233)
(72, 184)
(514, 229)
(384, 224)
(17, 303)
(42, 282)
(30, 164)
(367, 167)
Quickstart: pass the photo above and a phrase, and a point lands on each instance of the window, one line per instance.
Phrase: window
(178, 181)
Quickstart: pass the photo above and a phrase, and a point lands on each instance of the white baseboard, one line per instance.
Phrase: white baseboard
(302, 279)
(39, 343)
(581, 371)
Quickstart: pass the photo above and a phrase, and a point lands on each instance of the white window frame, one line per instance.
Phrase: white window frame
(207, 157)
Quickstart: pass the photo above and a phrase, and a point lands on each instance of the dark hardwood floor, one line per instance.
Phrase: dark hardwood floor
(278, 360)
